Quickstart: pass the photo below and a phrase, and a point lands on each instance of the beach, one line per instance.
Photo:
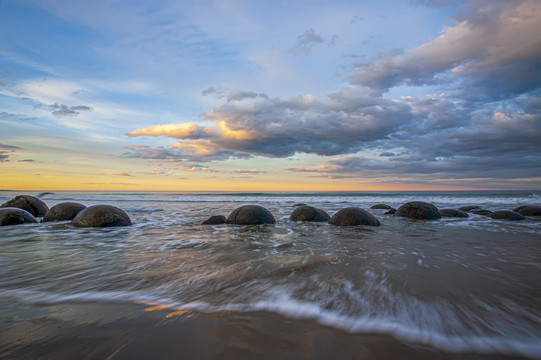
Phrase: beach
(168, 287)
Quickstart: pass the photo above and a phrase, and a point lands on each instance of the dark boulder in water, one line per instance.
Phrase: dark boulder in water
(15, 216)
(299, 204)
(309, 213)
(381, 206)
(63, 211)
(469, 208)
(250, 215)
(506, 215)
(352, 216)
(528, 210)
(483, 212)
(453, 213)
(215, 220)
(418, 210)
(391, 211)
(33, 205)
(101, 216)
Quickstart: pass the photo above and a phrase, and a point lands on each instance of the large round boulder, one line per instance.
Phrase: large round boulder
(309, 213)
(506, 215)
(63, 211)
(528, 210)
(352, 216)
(453, 213)
(418, 210)
(250, 215)
(215, 220)
(15, 216)
(381, 206)
(101, 216)
(33, 205)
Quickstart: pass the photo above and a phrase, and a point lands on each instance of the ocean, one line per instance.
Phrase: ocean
(448, 288)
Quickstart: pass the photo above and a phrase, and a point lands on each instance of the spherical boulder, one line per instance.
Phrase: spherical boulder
(381, 206)
(299, 204)
(391, 211)
(215, 220)
(352, 216)
(418, 210)
(250, 215)
(469, 208)
(33, 205)
(309, 213)
(101, 216)
(453, 213)
(506, 215)
(483, 212)
(63, 211)
(528, 210)
(15, 216)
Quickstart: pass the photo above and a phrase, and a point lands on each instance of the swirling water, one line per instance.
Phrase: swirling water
(459, 285)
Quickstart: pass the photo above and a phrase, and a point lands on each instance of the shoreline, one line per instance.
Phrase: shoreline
(133, 330)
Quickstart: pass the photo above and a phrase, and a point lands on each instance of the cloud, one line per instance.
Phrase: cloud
(124, 173)
(153, 172)
(483, 119)
(249, 172)
(64, 110)
(5, 150)
(19, 117)
(492, 52)
(306, 41)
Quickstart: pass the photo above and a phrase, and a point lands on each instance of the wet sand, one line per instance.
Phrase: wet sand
(116, 331)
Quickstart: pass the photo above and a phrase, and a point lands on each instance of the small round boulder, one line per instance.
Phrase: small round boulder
(309, 213)
(418, 210)
(506, 215)
(469, 208)
(33, 205)
(63, 211)
(250, 215)
(453, 213)
(352, 216)
(215, 220)
(15, 216)
(101, 216)
(483, 212)
(528, 210)
(391, 211)
(381, 206)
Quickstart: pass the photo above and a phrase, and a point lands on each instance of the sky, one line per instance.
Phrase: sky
(255, 95)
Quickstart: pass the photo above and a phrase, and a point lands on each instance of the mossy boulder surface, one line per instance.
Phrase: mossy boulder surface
(215, 220)
(353, 216)
(63, 211)
(453, 213)
(32, 204)
(15, 216)
(506, 215)
(418, 210)
(250, 215)
(528, 210)
(101, 216)
(309, 213)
